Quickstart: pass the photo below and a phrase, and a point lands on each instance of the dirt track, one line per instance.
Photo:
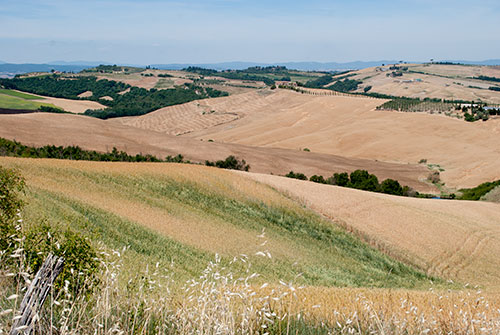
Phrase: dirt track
(458, 240)
(95, 134)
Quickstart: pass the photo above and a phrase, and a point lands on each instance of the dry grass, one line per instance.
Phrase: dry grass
(102, 135)
(451, 82)
(218, 302)
(351, 127)
(457, 240)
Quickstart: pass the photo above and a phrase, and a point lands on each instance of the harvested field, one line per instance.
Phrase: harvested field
(74, 106)
(350, 126)
(94, 134)
(451, 82)
(457, 240)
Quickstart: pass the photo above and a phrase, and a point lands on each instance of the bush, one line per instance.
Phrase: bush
(231, 163)
(49, 109)
(11, 188)
(477, 192)
(340, 179)
(318, 179)
(294, 175)
(391, 186)
(434, 177)
(80, 259)
(362, 180)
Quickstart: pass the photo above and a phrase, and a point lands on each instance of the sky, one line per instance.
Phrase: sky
(209, 31)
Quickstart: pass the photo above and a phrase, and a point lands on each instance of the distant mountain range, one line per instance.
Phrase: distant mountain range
(9, 70)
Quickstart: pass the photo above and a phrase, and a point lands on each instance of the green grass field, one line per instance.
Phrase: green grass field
(17, 100)
(21, 95)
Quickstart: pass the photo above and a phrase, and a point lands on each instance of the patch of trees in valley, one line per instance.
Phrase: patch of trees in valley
(137, 101)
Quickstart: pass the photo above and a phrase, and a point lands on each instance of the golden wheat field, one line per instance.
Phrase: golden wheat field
(93, 134)
(456, 240)
(177, 201)
(450, 82)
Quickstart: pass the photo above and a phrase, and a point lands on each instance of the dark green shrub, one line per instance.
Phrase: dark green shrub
(231, 163)
(477, 192)
(391, 186)
(362, 180)
(11, 187)
(339, 179)
(318, 179)
(297, 175)
(80, 259)
(49, 109)
(176, 159)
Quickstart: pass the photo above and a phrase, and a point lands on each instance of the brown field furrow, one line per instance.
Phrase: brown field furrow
(350, 126)
(93, 134)
(423, 230)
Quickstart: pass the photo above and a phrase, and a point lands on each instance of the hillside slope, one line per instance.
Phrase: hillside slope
(94, 134)
(458, 240)
(350, 127)
(185, 214)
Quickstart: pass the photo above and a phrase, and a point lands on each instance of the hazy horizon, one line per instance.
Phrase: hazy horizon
(214, 31)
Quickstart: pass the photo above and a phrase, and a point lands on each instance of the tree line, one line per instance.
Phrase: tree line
(361, 180)
(15, 149)
(137, 101)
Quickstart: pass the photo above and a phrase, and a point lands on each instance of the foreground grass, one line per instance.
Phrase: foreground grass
(186, 214)
(152, 282)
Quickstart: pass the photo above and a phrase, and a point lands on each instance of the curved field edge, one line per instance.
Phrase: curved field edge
(115, 204)
(455, 240)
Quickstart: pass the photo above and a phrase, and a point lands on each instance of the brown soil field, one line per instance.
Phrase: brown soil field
(351, 127)
(85, 94)
(451, 82)
(457, 240)
(74, 106)
(94, 134)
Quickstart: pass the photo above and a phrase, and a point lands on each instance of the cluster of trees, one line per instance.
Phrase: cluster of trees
(404, 104)
(137, 101)
(359, 179)
(232, 74)
(165, 75)
(494, 88)
(16, 149)
(486, 78)
(346, 85)
(106, 69)
(476, 114)
(319, 82)
(55, 86)
(231, 163)
(479, 191)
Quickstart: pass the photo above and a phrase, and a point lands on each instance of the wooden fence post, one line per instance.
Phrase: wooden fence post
(36, 294)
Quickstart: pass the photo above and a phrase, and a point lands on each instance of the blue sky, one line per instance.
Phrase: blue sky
(163, 31)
